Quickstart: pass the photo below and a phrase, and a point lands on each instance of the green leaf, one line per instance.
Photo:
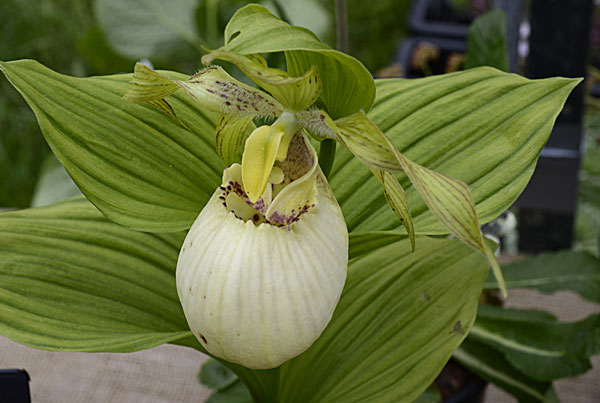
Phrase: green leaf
(236, 393)
(229, 388)
(587, 222)
(431, 395)
(149, 28)
(347, 85)
(537, 345)
(213, 374)
(73, 281)
(136, 164)
(483, 127)
(362, 243)
(486, 43)
(557, 271)
(396, 325)
(489, 364)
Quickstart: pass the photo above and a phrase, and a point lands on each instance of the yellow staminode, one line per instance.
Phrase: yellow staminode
(265, 145)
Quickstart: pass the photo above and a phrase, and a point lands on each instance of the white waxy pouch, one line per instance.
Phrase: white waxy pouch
(259, 278)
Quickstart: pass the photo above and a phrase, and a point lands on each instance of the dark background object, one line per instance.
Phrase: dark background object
(437, 18)
(559, 46)
(14, 386)
(446, 46)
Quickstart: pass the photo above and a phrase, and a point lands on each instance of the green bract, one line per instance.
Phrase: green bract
(446, 153)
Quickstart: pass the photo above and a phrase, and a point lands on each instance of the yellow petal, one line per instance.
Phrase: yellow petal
(258, 159)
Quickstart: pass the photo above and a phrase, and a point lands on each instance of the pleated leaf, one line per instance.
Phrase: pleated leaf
(347, 85)
(536, 344)
(399, 319)
(559, 271)
(136, 164)
(70, 280)
(483, 127)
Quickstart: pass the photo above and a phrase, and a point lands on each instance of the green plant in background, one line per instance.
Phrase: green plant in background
(32, 28)
(74, 280)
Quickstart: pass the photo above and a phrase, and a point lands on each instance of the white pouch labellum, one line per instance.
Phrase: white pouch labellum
(256, 293)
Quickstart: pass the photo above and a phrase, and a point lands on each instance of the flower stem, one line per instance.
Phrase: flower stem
(341, 26)
(327, 156)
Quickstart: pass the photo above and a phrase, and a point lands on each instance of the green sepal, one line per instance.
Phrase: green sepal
(347, 85)
(215, 89)
(294, 93)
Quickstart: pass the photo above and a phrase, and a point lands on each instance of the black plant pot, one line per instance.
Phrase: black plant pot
(459, 385)
(438, 18)
(14, 386)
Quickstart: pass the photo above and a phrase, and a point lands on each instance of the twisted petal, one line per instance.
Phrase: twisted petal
(215, 90)
(448, 198)
(294, 93)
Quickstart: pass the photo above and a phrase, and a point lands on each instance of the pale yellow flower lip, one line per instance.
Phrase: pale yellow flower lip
(259, 295)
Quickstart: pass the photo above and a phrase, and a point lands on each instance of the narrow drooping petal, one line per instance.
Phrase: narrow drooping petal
(218, 91)
(215, 90)
(212, 87)
(254, 292)
(449, 199)
(396, 198)
(294, 93)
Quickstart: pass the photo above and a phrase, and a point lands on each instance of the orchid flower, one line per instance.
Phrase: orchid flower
(264, 264)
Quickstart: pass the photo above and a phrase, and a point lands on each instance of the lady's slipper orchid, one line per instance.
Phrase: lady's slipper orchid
(259, 277)
(263, 266)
